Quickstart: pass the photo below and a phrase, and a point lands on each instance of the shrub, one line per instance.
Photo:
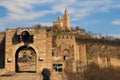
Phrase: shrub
(94, 72)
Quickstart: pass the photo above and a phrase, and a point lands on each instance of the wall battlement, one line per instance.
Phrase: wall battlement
(66, 37)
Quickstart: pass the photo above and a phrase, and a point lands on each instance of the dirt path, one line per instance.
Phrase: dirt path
(33, 76)
(23, 76)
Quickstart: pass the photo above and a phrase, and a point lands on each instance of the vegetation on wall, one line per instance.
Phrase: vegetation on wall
(61, 33)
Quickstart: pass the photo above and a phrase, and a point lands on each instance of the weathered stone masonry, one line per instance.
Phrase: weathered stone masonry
(42, 45)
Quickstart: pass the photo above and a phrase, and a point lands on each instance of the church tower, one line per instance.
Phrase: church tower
(66, 22)
(63, 23)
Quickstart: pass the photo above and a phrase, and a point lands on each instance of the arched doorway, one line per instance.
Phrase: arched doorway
(65, 54)
(25, 59)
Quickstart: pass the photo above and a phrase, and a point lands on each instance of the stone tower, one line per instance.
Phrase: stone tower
(63, 23)
(66, 20)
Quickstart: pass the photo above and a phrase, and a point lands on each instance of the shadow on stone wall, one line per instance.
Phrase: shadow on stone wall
(2, 54)
(15, 39)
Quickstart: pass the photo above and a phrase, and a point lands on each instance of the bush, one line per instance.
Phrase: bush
(73, 76)
(94, 72)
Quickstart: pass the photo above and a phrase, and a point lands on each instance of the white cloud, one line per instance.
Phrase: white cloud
(20, 10)
(116, 22)
(14, 6)
(23, 9)
(42, 23)
(81, 13)
(28, 16)
(115, 35)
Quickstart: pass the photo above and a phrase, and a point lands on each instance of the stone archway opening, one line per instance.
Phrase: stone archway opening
(25, 59)
(65, 54)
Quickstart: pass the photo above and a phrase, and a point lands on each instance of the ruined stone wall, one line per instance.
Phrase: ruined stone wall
(103, 54)
(82, 53)
(103, 50)
(81, 62)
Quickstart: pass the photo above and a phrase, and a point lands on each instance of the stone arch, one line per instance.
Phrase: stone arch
(17, 48)
(19, 31)
(25, 33)
(25, 57)
(65, 52)
(25, 36)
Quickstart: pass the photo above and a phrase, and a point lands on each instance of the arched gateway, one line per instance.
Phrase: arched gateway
(28, 50)
(25, 59)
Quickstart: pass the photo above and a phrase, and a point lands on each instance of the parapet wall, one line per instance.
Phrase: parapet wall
(66, 37)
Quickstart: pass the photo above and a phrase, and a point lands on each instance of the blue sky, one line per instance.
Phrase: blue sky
(97, 16)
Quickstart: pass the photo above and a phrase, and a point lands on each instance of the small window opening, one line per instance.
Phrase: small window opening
(64, 57)
(58, 67)
(53, 53)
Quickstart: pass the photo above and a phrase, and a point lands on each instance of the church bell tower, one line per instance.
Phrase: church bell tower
(66, 22)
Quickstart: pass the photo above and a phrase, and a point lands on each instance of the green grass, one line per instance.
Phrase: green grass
(61, 33)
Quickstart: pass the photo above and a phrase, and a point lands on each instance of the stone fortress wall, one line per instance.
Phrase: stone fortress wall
(62, 51)
(42, 44)
(69, 52)
(103, 54)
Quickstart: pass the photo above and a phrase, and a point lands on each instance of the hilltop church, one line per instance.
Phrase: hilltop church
(32, 50)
